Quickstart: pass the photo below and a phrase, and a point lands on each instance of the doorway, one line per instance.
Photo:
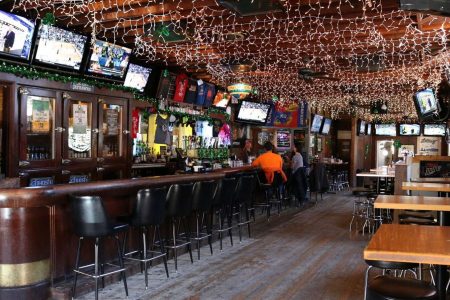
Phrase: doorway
(385, 153)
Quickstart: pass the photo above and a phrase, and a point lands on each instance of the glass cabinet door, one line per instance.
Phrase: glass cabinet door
(79, 143)
(40, 133)
(111, 129)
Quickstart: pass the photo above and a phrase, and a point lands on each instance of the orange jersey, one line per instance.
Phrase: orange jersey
(270, 162)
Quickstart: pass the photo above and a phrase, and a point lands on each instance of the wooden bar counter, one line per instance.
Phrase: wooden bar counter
(38, 245)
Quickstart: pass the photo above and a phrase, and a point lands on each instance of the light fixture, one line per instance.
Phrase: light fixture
(240, 90)
(384, 107)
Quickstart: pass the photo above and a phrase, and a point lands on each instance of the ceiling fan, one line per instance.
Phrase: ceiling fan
(309, 74)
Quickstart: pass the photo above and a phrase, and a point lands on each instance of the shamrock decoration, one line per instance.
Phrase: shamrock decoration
(49, 19)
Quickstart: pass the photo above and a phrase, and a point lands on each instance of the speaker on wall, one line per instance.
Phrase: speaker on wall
(432, 7)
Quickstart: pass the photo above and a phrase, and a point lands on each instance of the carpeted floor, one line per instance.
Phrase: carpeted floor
(307, 254)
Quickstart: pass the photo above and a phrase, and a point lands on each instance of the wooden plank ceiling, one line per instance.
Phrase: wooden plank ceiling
(338, 45)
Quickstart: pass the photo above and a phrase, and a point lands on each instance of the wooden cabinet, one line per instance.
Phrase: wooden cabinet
(70, 137)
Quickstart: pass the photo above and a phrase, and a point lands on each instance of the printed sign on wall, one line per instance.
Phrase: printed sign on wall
(428, 145)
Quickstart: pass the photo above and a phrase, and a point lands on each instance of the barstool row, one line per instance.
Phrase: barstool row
(227, 199)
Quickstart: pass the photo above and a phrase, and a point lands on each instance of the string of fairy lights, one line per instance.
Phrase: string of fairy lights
(368, 50)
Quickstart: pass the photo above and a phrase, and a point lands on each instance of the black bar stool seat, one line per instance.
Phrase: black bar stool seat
(148, 211)
(90, 221)
(223, 205)
(384, 287)
(243, 197)
(202, 201)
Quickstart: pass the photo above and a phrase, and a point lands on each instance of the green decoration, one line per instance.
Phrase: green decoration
(49, 19)
(366, 151)
(397, 144)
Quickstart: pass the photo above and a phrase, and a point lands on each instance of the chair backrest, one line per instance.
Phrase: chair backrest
(244, 189)
(149, 207)
(89, 217)
(179, 200)
(203, 195)
(225, 191)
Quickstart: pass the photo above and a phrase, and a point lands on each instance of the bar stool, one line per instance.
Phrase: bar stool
(223, 205)
(243, 196)
(149, 211)
(179, 208)
(202, 200)
(90, 221)
(266, 188)
(384, 287)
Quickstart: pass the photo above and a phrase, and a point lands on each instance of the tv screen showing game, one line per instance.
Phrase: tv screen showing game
(221, 99)
(16, 35)
(137, 77)
(434, 129)
(409, 129)
(59, 47)
(326, 126)
(108, 59)
(253, 112)
(386, 129)
(426, 103)
(316, 123)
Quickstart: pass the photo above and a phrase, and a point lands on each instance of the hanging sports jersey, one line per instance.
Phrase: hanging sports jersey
(181, 85)
(191, 93)
(209, 94)
(201, 89)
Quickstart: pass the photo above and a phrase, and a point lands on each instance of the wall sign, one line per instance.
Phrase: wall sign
(427, 145)
(434, 169)
(41, 181)
(82, 87)
(40, 115)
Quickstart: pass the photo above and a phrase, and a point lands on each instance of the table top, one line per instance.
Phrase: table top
(426, 186)
(407, 243)
(413, 202)
(376, 174)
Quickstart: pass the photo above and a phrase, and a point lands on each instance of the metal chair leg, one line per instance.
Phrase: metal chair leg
(77, 264)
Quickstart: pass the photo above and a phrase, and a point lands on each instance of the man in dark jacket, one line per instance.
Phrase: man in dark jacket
(9, 40)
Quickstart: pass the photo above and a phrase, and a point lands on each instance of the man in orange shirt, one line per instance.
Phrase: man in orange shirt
(270, 163)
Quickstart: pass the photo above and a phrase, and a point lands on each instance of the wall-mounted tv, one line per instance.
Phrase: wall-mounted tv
(369, 129)
(221, 99)
(137, 77)
(362, 127)
(409, 129)
(434, 129)
(253, 112)
(108, 60)
(386, 129)
(426, 103)
(326, 126)
(59, 47)
(16, 35)
(316, 123)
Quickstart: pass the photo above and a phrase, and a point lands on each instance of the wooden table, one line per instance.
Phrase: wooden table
(426, 186)
(413, 202)
(414, 244)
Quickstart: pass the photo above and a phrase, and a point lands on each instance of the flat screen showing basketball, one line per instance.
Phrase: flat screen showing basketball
(109, 60)
(409, 129)
(426, 103)
(60, 47)
(16, 34)
(253, 112)
(316, 123)
(385, 129)
(369, 129)
(137, 77)
(326, 126)
(362, 127)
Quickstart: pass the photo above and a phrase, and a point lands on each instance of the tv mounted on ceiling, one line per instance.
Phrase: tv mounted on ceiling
(108, 60)
(362, 127)
(59, 47)
(16, 36)
(386, 129)
(369, 129)
(316, 123)
(253, 112)
(426, 104)
(137, 77)
(410, 129)
(222, 99)
(326, 126)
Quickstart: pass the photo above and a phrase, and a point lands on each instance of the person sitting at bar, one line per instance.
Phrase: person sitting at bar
(270, 163)
(246, 151)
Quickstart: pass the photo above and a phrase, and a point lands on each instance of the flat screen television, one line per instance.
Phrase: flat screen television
(59, 47)
(221, 99)
(108, 60)
(253, 112)
(369, 129)
(426, 103)
(316, 123)
(137, 77)
(326, 126)
(362, 127)
(16, 36)
(409, 129)
(434, 129)
(386, 129)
